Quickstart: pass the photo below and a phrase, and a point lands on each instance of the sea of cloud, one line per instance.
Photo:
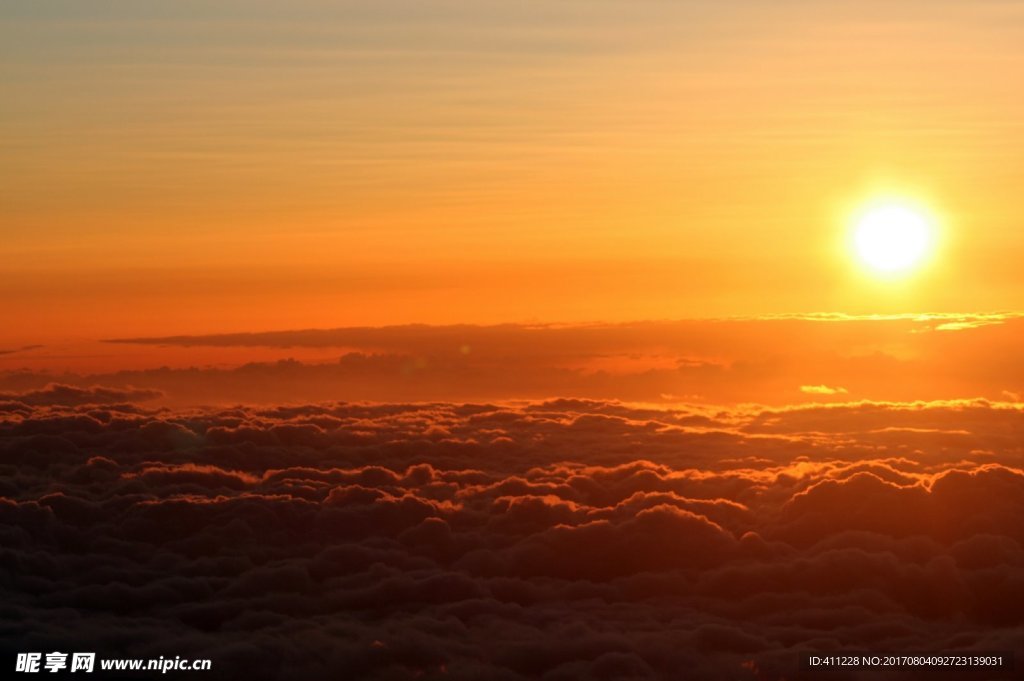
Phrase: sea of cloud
(566, 539)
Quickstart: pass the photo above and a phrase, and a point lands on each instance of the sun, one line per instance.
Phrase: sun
(893, 238)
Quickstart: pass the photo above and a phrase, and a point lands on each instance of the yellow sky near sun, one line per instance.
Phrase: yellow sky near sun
(212, 166)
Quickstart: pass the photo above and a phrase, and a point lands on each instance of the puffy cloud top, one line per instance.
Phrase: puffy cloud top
(560, 540)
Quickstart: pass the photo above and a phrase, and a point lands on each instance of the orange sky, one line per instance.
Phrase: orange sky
(197, 167)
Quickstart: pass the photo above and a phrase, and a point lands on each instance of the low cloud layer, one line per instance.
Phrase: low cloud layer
(568, 539)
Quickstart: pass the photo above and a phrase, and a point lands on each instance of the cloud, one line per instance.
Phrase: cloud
(24, 348)
(69, 395)
(972, 322)
(730, 361)
(822, 390)
(452, 337)
(567, 539)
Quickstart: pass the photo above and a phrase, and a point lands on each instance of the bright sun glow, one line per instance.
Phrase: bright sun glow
(892, 237)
